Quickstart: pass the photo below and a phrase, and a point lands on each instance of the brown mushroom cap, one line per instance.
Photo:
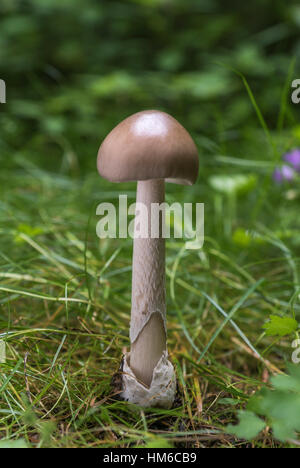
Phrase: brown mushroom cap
(149, 145)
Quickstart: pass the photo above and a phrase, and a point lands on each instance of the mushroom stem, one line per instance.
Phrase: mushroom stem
(148, 313)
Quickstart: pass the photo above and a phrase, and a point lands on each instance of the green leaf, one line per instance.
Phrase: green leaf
(158, 442)
(280, 405)
(249, 426)
(30, 231)
(228, 401)
(283, 431)
(204, 85)
(233, 184)
(286, 382)
(20, 443)
(244, 238)
(241, 237)
(280, 326)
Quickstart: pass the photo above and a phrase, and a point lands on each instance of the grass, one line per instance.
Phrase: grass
(65, 304)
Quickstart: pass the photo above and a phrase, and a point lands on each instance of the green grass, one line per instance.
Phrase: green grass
(73, 70)
(65, 309)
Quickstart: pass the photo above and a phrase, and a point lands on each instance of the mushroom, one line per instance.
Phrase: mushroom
(148, 147)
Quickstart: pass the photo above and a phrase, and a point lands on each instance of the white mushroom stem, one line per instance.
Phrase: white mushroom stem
(148, 313)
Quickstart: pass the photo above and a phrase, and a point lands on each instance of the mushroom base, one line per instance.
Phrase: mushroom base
(160, 394)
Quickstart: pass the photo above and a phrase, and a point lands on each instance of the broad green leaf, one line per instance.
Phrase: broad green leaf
(249, 426)
(286, 382)
(282, 431)
(20, 443)
(280, 326)
(158, 442)
(30, 231)
(228, 401)
(233, 184)
(244, 238)
(203, 85)
(280, 405)
(241, 237)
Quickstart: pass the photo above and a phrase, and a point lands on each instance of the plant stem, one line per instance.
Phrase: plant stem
(147, 327)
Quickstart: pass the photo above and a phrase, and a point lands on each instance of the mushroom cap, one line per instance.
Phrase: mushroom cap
(149, 145)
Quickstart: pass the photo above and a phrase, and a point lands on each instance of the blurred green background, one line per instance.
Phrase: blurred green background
(74, 68)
